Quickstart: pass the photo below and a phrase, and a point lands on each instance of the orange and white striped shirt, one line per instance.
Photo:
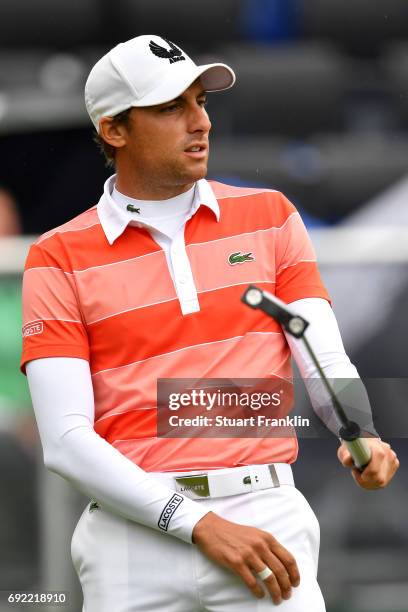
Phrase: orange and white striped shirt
(100, 289)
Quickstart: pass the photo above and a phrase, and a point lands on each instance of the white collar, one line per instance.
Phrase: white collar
(114, 219)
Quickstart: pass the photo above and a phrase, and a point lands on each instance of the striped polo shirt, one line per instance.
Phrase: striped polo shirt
(100, 289)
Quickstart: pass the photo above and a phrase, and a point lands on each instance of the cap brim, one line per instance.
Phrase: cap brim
(214, 77)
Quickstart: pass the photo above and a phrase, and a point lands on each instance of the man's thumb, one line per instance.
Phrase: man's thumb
(344, 456)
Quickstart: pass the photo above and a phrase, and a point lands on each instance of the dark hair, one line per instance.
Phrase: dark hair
(108, 150)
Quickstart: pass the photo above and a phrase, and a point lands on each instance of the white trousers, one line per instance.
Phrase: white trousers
(126, 567)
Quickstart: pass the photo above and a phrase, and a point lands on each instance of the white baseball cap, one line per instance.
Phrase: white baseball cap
(145, 71)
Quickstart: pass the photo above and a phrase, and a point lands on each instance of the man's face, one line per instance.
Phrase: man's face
(168, 144)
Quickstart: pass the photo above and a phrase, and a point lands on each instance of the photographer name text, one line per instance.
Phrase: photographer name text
(258, 420)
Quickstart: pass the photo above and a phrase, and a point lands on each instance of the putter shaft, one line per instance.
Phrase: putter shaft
(296, 325)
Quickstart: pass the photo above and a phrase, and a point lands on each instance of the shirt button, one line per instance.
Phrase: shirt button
(183, 279)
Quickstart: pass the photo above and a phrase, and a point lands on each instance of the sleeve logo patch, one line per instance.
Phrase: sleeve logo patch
(33, 328)
(168, 511)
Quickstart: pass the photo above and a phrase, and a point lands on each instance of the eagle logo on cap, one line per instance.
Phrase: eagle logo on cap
(174, 55)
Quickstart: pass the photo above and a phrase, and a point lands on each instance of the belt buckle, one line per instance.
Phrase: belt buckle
(194, 487)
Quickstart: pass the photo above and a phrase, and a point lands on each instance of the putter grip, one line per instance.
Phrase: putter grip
(360, 451)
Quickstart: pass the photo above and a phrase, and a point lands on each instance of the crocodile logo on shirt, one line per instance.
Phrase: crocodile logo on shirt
(238, 257)
(132, 208)
(93, 506)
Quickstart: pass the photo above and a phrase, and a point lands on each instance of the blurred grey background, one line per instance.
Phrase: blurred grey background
(320, 112)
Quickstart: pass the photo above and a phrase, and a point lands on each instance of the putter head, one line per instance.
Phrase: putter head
(274, 307)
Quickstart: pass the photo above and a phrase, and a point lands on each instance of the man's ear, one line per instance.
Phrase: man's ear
(112, 132)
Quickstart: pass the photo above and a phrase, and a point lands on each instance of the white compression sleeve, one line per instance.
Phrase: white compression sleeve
(62, 395)
(324, 336)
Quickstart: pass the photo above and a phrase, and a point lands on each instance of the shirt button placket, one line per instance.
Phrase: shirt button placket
(184, 280)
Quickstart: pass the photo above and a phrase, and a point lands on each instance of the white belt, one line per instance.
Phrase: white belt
(229, 481)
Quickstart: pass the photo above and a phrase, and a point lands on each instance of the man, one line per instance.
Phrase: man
(10, 223)
(142, 287)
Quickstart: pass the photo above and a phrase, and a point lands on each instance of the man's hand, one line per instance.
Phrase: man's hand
(246, 550)
(381, 469)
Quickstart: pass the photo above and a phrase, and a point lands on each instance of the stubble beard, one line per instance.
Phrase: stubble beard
(182, 176)
(175, 173)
